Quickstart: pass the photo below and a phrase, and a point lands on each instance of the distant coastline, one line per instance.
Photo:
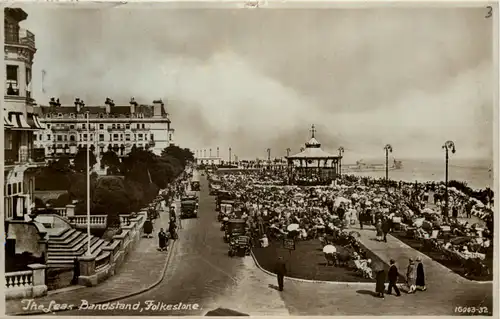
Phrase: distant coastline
(478, 174)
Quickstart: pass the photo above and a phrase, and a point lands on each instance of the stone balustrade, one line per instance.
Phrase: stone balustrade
(61, 211)
(125, 220)
(26, 283)
(96, 221)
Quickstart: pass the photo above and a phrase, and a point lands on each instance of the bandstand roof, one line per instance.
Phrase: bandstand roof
(312, 153)
(313, 150)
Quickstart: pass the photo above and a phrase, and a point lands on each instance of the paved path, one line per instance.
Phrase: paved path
(200, 272)
(142, 268)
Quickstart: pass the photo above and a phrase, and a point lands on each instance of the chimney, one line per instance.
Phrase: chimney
(109, 103)
(52, 101)
(157, 108)
(78, 105)
(133, 105)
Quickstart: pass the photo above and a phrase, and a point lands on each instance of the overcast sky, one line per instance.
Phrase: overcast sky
(258, 79)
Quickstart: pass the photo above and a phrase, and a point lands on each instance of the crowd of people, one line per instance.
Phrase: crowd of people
(274, 211)
(165, 204)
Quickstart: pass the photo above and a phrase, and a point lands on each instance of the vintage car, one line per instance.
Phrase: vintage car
(239, 243)
(225, 209)
(189, 207)
(233, 227)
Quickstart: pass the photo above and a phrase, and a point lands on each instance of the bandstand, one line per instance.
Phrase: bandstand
(313, 166)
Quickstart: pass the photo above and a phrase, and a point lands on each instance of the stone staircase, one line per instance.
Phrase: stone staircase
(69, 243)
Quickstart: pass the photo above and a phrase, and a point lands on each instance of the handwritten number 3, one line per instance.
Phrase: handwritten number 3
(490, 12)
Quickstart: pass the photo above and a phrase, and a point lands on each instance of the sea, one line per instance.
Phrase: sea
(477, 173)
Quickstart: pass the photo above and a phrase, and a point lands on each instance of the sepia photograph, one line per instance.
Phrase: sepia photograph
(258, 158)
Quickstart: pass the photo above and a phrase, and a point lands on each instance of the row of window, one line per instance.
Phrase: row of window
(83, 137)
(85, 115)
(102, 148)
(101, 126)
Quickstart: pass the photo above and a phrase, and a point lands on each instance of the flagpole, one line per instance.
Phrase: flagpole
(88, 185)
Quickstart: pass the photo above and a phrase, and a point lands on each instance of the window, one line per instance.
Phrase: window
(84, 126)
(101, 126)
(12, 80)
(35, 137)
(59, 138)
(113, 126)
(127, 126)
(60, 115)
(72, 126)
(86, 115)
(9, 189)
(118, 126)
(138, 126)
(121, 137)
(143, 125)
(152, 137)
(48, 126)
(84, 137)
(72, 138)
(101, 115)
(48, 137)
(127, 137)
(115, 137)
(14, 191)
(72, 115)
(169, 137)
(65, 137)
(91, 137)
(101, 137)
(48, 116)
(140, 137)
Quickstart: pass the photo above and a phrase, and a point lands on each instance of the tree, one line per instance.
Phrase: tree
(112, 162)
(111, 198)
(184, 155)
(80, 161)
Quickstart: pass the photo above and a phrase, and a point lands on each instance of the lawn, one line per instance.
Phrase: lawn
(308, 262)
(453, 266)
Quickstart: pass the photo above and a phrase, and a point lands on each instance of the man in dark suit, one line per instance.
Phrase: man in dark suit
(393, 278)
(280, 272)
(386, 227)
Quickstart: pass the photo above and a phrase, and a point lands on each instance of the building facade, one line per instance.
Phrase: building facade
(103, 128)
(22, 158)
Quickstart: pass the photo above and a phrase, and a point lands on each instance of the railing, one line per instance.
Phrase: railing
(60, 128)
(95, 220)
(61, 211)
(23, 155)
(124, 219)
(20, 37)
(19, 279)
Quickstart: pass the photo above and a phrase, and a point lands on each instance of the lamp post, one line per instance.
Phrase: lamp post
(229, 156)
(268, 158)
(288, 150)
(341, 152)
(88, 184)
(388, 149)
(210, 152)
(448, 146)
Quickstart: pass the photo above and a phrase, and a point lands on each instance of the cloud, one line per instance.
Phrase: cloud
(257, 79)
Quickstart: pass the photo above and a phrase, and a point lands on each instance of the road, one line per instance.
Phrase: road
(199, 271)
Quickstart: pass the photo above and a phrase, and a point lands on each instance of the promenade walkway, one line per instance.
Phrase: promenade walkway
(142, 268)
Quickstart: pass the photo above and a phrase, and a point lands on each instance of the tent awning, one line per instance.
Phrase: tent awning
(18, 121)
(312, 153)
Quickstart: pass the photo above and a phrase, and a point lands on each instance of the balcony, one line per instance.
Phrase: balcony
(24, 156)
(20, 37)
(56, 128)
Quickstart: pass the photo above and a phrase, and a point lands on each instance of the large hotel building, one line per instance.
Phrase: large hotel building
(104, 127)
(22, 158)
